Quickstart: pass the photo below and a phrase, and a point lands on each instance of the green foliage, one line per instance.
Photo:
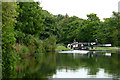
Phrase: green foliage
(9, 15)
(29, 39)
(33, 44)
(50, 44)
(93, 17)
(8, 19)
(62, 48)
(71, 28)
(39, 46)
(24, 51)
(108, 31)
(67, 28)
(49, 25)
(19, 36)
(30, 18)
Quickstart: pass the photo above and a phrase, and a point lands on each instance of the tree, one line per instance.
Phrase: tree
(30, 18)
(49, 25)
(93, 17)
(116, 31)
(67, 28)
(87, 31)
(9, 15)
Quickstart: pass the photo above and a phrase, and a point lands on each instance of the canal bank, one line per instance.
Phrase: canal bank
(102, 49)
(113, 51)
(107, 49)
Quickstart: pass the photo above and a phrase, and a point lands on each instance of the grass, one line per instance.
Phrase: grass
(94, 48)
(106, 48)
(62, 48)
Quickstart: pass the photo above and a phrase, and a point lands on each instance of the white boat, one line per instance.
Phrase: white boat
(75, 51)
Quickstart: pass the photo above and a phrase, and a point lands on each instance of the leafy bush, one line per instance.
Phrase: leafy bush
(50, 44)
(19, 36)
(24, 51)
(28, 39)
(62, 48)
(39, 45)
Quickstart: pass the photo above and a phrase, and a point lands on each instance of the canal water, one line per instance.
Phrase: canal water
(70, 65)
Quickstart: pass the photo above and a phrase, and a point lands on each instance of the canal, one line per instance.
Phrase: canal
(70, 65)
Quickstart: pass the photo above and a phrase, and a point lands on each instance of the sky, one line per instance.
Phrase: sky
(80, 8)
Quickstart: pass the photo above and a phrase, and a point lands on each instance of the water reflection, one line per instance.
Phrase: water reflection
(80, 73)
(55, 65)
(93, 63)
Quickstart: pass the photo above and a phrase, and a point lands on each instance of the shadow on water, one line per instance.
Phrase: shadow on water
(49, 64)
